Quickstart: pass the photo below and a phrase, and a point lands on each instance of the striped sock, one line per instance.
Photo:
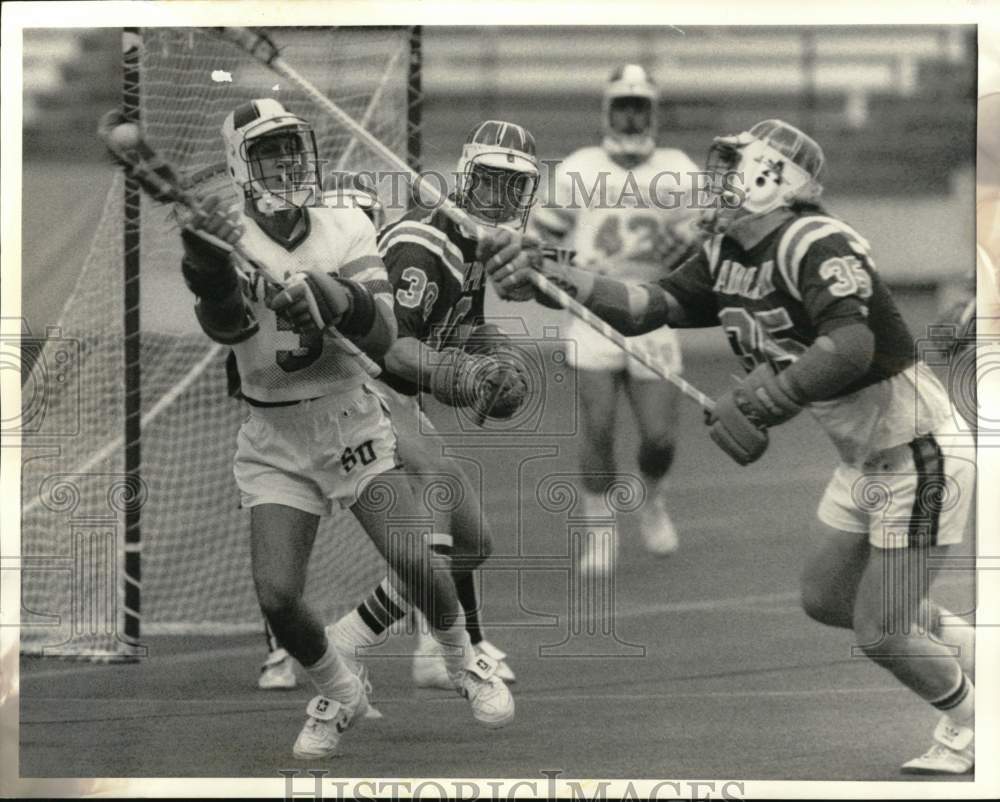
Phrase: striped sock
(959, 704)
(365, 624)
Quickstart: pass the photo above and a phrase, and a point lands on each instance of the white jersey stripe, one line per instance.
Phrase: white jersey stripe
(446, 251)
(361, 264)
(801, 235)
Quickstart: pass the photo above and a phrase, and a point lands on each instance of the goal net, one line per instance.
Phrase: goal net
(76, 491)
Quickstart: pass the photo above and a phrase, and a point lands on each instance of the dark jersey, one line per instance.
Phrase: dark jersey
(439, 289)
(809, 275)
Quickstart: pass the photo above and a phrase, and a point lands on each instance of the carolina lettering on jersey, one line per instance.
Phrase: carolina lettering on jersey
(276, 363)
(799, 275)
(439, 288)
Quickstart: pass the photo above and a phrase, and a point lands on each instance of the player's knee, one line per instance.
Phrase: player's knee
(818, 605)
(276, 599)
(656, 456)
(876, 639)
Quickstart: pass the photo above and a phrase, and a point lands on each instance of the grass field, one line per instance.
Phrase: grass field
(713, 671)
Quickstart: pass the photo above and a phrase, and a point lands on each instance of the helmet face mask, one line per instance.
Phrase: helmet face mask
(498, 196)
(497, 174)
(272, 156)
(630, 101)
(772, 165)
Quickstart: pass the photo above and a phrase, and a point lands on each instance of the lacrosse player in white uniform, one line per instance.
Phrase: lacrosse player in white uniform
(624, 207)
(317, 437)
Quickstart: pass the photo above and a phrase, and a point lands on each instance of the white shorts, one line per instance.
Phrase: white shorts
(314, 454)
(594, 352)
(919, 493)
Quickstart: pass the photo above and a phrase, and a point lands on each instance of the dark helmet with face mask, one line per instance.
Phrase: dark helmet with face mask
(503, 152)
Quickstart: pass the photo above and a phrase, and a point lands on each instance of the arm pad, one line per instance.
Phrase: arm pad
(381, 333)
(832, 362)
(360, 316)
(631, 309)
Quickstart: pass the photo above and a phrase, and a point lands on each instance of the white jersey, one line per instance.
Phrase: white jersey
(634, 224)
(276, 363)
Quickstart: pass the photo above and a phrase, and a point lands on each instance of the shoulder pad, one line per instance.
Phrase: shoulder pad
(672, 159)
(804, 232)
(427, 237)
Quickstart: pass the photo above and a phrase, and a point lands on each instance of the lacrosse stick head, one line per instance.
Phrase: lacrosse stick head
(127, 147)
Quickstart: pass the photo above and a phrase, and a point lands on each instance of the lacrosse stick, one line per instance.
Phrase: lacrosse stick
(260, 47)
(159, 180)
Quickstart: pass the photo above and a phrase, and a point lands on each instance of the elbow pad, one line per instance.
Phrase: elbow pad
(832, 362)
(631, 310)
(380, 334)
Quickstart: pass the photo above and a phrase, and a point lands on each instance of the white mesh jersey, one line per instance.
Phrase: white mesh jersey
(276, 363)
(635, 224)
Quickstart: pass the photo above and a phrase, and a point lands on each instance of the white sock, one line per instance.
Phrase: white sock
(962, 636)
(959, 704)
(332, 678)
(366, 624)
(456, 644)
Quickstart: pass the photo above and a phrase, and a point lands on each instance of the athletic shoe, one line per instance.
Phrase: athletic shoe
(328, 720)
(657, 529)
(951, 753)
(429, 670)
(492, 704)
(504, 671)
(277, 673)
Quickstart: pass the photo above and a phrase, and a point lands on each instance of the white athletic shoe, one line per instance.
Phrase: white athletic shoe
(504, 671)
(951, 753)
(328, 720)
(429, 670)
(492, 704)
(657, 529)
(278, 672)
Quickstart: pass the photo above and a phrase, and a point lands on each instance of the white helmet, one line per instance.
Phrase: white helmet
(630, 82)
(265, 121)
(495, 145)
(773, 164)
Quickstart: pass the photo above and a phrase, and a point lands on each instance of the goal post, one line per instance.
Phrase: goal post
(131, 523)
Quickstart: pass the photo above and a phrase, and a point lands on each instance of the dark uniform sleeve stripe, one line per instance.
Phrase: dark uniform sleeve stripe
(926, 513)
